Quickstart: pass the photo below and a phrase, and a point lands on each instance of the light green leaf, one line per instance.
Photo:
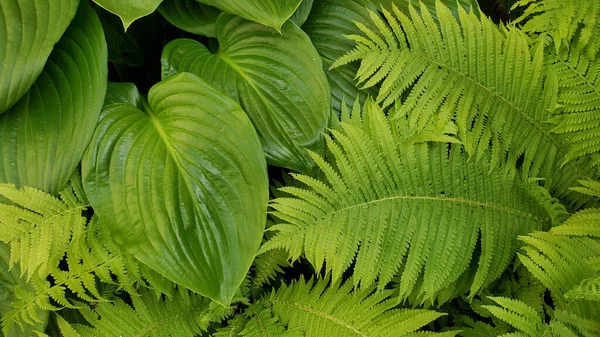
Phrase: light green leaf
(191, 16)
(271, 13)
(277, 79)
(28, 31)
(9, 281)
(44, 135)
(327, 24)
(129, 10)
(181, 185)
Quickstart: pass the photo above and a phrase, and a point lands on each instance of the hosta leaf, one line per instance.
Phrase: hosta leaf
(267, 12)
(191, 16)
(9, 281)
(129, 10)
(326, 26)
(301, 14)
(44, 135)
(182, 185)
(28, 31)
(277, 79)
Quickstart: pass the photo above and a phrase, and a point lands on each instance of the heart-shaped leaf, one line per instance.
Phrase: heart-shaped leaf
(28, 31)
(267, 12)
(191, 16)
(129, 10)
(277, 79)
(44, 135)
(182, 185)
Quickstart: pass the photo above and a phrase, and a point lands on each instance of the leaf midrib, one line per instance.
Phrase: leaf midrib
(321, 314)
(471, 203)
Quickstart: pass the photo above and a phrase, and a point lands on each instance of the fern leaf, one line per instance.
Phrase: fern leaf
(38, 227)
(587, 290)
(578, 104)
(266, 266)
(572, 24)
(263, 324)
(317, 310)
(415, 209)
(184, 314)
(488, 80)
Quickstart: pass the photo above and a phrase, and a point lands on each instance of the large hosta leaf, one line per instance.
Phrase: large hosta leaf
(328, 23)
(28, 31)
(129, 10)
(267, 12)
(277, 79)
(182, 185)
(44, 135)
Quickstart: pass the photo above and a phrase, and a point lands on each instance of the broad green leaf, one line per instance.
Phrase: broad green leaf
(44, 135)
(11, 282)
(271, 13)
(191, 16)
(301, 14)
(129, 10)
(28, 31)
(277, 79)
(326, 26)
(182, 185)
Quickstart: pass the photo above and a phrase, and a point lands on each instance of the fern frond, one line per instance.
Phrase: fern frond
(184, 314)
(572, 24)
(266, 266)
(485, 79)
(587, 290)
(263, 324)
(565, 323)
(415, 209)
(578, 104)
(38, 227)
(317, 310)
(589, 187)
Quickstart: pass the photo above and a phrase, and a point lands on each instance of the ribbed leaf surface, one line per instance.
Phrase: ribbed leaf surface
(28, 31)
(191, 16)
(44, 135)
(267, 12)
(277, 79)
(182, 185)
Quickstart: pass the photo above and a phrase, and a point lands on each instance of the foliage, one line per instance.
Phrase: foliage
(299, 168)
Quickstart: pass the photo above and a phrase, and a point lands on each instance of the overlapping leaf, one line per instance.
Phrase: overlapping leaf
(182, 185)
(191, 16)
(277, 79)
(28, 31)
(44, 135)
(267, 12)
(129, 10)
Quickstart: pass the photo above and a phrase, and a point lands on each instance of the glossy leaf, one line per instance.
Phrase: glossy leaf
(182, 185)
(11, 283)
(28, 31)
(44, 135)
(129, 10)
(191, 16)
(326, 26)
(271, 13)
(277, 79)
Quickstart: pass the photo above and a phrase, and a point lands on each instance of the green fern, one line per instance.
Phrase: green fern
(184, 314)
(318, 310)
(529, 323)
(38, 227)
(572, 24)
(486, 79)
(415, 209)
(568, 254)
(578, 104)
